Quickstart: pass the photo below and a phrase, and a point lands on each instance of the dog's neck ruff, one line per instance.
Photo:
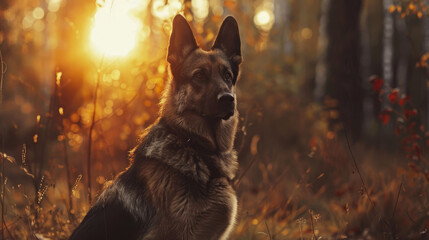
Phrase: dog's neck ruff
(187, 153)
(198, 143)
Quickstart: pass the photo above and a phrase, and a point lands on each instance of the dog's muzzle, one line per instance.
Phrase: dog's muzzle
(226, 103)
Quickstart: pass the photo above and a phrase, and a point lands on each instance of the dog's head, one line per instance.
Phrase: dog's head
(204, 81)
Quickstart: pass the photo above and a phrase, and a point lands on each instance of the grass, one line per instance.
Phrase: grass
(288, 194)
(290, 202)
(296, 180)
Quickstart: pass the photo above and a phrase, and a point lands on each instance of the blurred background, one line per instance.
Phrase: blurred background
(333, 102)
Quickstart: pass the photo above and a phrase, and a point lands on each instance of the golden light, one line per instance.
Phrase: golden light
(28, 21)
(306, 33)
(217, 7)
(164, 11)
(264, 17)
(116, 29)
(38, 13)
(54, 5)
(200, 9)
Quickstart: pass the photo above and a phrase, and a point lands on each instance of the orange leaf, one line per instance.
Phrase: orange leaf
(254, 145)
(229, 4)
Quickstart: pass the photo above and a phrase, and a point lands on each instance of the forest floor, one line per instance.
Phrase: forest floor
(288, 194)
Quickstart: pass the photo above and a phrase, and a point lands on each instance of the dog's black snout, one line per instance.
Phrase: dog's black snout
(225, 98)
(226, 104)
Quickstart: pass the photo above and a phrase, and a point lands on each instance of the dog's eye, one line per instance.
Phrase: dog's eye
(227, 76)
(198, 75)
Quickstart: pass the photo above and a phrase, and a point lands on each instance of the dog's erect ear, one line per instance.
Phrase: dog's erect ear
(182, 41)
(228, 40)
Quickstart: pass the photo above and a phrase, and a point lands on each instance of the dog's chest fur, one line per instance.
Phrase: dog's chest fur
(188, 188)
(179, 185)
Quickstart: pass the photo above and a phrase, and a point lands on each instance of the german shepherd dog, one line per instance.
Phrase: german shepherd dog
(179, 184)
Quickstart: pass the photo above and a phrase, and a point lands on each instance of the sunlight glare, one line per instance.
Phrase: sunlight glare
(54, 5)
(164, 11)
(200, 9)
(115, 29)
(217, 7)
(38, 13)
(264, 17)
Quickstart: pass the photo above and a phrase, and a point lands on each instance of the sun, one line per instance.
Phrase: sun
(115, 30)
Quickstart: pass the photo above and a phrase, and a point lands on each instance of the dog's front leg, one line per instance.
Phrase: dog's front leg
(215, 218)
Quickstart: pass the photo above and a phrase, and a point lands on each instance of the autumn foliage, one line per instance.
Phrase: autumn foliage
(302, 175)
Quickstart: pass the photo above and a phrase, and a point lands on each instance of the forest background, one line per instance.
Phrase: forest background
(333, 102)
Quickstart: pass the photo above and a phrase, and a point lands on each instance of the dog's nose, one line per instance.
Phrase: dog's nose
(225, 98)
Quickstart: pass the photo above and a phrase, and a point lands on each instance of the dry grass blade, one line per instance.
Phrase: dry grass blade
(238, 179)
(312, 224)
(394, 211)
(3, 71)
(91, 128)
(7, 157)
(268, 230)
(3, 136)
(63, 130)
(358, 170)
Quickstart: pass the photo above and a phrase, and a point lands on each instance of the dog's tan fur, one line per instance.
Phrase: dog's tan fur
(179, 185)
(172, 108)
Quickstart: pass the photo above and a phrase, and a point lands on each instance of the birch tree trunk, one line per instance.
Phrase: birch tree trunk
(282, 13)
(387, 48)
(319, 90)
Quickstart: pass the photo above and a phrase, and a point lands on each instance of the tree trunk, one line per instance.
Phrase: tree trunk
(365, 64)
(426, 49)
(343, 59)
(282, 13)
(387, 48)
(321, 61)
(403, 54)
